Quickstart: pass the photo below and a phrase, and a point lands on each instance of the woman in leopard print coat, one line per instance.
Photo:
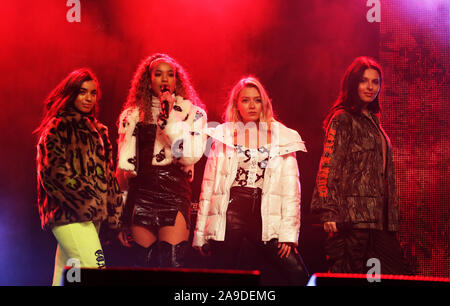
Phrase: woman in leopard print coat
(77, 187)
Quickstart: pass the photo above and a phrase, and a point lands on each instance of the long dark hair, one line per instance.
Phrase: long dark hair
(64, 95)
(348, 98)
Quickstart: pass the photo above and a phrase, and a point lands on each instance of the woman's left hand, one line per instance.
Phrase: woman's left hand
(285, 249)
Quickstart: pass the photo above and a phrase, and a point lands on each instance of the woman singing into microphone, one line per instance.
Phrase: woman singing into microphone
(160, 139)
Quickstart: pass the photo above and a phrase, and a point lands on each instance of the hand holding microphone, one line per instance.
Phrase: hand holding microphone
(166, 99)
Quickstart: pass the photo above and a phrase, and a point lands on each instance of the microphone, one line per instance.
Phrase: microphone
(165, 88)
(164, 104)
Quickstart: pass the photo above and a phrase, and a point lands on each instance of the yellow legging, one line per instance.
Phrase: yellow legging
(79, 242)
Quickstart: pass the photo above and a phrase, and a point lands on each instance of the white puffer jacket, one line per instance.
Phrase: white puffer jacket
(280, 203)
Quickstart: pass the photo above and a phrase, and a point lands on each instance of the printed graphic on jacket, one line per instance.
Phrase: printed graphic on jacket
(252, 166)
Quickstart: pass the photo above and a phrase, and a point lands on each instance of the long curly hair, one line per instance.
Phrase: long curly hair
(232, 114)
(64, 94)
(140, 94)
(348, 98)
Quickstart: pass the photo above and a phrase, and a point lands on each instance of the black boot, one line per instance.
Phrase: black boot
(144, 257)
(172, 256)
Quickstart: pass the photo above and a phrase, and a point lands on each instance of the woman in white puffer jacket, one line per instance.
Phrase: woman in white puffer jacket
(250, 199)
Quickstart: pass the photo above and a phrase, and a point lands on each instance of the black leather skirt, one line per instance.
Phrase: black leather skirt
(156, 196)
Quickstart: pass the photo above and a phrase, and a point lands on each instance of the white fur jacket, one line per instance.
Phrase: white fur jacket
(180, 137)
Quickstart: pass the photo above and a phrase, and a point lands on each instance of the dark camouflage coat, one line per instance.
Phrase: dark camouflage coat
(75, 173)
(351, 183)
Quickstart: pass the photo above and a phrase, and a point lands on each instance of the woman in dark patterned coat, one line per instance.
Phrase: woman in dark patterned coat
(161, 137)
(77, 187)
(355, 192)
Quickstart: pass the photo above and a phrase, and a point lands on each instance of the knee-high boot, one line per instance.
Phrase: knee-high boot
(173, 256)
(145, 257)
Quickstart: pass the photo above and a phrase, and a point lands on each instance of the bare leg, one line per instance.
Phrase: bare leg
(143, 236)
(176, 233)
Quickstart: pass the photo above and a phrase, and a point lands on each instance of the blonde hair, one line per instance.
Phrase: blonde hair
(140, 94)
(232, 114)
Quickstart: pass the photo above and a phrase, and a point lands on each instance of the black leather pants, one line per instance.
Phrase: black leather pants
(243, 247)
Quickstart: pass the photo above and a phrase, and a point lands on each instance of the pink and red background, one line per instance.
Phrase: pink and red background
(298, 49)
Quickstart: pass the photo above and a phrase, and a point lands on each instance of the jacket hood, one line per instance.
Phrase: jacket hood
(283, 139)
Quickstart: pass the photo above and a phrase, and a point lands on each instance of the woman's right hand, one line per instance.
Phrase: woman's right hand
(330, 227)
(123, 238)
(166, 96)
